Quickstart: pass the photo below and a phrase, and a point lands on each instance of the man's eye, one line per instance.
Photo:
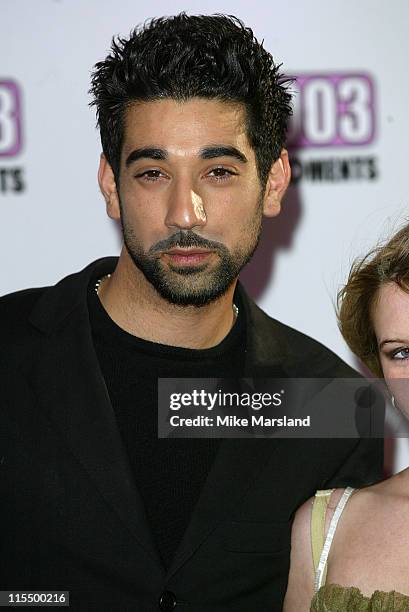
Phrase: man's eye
(221, 174)
(149, 175)
(401, 354)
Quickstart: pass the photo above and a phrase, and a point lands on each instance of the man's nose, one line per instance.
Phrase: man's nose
(185, 207)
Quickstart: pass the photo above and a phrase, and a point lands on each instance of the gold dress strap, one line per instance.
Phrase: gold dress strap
(319, 511)
(321, 569)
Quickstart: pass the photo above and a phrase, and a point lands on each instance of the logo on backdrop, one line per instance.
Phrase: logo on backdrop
(11, 176)
(332, 112)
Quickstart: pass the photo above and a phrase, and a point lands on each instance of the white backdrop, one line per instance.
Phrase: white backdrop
(352, 110)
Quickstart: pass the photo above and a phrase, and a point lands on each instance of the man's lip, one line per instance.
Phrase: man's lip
(187, 252)
(188, 257)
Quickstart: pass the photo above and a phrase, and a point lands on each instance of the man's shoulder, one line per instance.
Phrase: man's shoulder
(46, 306)
(15, 307)
(18, 336)
(300, 354)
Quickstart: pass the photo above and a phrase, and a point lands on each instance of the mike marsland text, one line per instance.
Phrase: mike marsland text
(234, 421)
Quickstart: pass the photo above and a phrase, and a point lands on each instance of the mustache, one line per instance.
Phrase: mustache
(186, 239)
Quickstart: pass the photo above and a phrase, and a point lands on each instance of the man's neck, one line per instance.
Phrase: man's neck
(133, 304)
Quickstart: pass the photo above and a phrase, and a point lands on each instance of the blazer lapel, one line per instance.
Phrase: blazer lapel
(238, 461)
(235, 467)
(71, 390)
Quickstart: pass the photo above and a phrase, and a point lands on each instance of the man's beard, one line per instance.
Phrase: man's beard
(191, 285)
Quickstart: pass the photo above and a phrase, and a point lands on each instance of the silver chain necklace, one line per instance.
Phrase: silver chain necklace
(99, 281)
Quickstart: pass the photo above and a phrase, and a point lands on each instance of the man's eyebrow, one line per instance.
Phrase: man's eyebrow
(210, 152)
(146, 153)
(222, 151)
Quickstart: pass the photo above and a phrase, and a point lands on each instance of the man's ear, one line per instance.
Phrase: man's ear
(108, 189)
(277, 182)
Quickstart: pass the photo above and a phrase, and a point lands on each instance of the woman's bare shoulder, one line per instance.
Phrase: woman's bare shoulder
(300, 589)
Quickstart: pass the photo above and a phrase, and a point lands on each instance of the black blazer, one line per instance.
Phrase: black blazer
(71, 515)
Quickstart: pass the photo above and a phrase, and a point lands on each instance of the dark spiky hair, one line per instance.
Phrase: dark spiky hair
(187, 56)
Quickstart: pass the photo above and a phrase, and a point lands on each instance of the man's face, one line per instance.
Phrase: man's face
(190, 200)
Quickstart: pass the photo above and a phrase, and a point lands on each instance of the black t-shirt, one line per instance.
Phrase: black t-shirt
(169, 473)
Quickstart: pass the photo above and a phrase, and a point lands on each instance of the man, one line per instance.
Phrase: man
(192, 113)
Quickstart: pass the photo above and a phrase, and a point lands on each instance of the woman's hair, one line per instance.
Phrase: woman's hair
(387, 263)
